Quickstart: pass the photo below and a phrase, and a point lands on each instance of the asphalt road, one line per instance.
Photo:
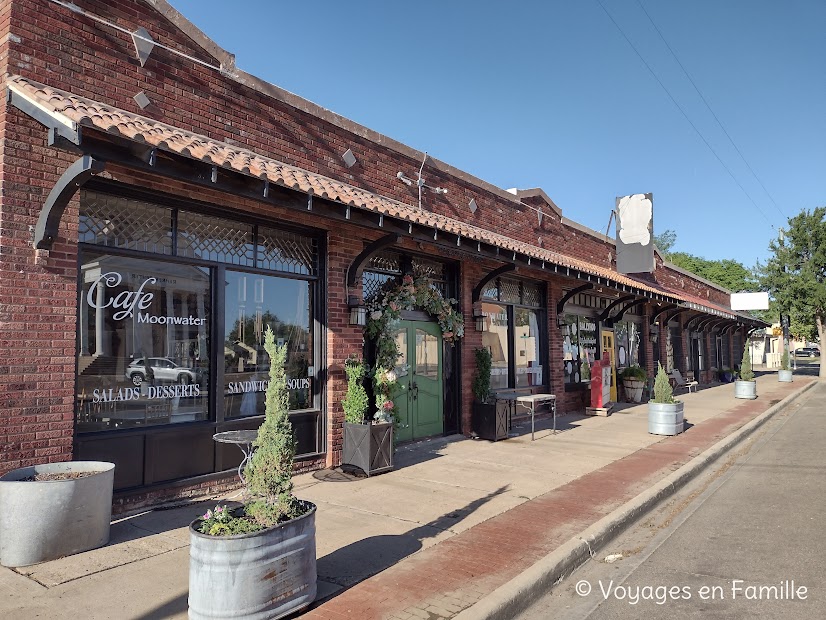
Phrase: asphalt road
(748, 539)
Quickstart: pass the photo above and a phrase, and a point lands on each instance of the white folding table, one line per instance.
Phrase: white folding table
(532, 400)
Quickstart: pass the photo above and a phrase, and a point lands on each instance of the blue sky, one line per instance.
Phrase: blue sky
(549, 94)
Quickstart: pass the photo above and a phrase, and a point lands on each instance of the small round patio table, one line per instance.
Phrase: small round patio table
(243, 439)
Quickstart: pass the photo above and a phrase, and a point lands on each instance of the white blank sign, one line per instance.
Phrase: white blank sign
(749, 301)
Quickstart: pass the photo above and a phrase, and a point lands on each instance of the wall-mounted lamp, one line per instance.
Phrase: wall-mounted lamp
(479, 317)
(358, 313)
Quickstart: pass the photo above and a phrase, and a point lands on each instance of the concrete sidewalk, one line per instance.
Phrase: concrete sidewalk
(454, 521)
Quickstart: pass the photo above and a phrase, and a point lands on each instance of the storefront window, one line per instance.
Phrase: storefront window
(513, 332)
(526, 336)
(627, 342)
(495, 339)
(254, 302)
(579, 348)
(144, 343)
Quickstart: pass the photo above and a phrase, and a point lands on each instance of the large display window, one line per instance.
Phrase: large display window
(514, 333)
(144, 343)
(173, 304)
(579, 349)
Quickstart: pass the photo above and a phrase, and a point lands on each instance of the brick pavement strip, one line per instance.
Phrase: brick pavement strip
(475, 562)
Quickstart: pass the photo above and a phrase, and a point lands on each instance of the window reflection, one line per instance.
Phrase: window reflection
(495, 339)
(254, 302)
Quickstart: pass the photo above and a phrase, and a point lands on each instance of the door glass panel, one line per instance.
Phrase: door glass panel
(427, 355)
(402, 365)
(254, 302)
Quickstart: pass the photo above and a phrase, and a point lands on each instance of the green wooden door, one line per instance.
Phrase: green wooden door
(419, 372)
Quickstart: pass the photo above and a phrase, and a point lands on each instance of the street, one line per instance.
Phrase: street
(746, 539)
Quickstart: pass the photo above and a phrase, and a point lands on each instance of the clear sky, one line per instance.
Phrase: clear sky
(550, 94)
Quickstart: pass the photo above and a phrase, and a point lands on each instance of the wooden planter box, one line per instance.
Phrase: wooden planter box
(490, 420)
(368, 447)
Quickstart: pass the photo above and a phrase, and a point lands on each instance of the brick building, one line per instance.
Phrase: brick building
(161, 207)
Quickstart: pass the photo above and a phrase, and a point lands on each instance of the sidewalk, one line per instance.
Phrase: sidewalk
(456, 519)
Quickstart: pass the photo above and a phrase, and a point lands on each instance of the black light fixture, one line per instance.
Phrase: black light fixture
(479, 317)
(358, 313)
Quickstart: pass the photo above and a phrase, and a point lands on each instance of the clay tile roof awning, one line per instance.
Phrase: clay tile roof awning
(71, 111)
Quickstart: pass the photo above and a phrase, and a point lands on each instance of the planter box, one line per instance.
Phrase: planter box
(745, 389)
(784, 376)
(634, 389)
(46, 520)
(490, 420)
(267, 574)
(666, 418)
(368, 447)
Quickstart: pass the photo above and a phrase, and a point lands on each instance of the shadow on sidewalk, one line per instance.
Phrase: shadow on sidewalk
(347, 566)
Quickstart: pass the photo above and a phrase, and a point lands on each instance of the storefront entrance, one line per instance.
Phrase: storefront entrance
(419, 372)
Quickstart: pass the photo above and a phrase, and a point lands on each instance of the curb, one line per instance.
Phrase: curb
(515, 596)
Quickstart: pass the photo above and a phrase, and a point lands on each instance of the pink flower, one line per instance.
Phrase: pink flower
(408, 279)
(393, 306)
(388, 405)
(448, 335)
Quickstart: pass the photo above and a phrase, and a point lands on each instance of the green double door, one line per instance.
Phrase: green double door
(419, 373)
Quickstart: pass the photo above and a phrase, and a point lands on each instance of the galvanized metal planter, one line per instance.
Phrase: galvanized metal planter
(265, 575)
(784, 376)
(49, 519)
(745, 389)
(368, 447)
(666, 418)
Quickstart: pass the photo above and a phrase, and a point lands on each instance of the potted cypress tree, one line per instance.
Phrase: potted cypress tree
(366, 445)
(665, 414)
(745, 386)
(633, 380)
(258, 560)
(489, 421)
(784, 375)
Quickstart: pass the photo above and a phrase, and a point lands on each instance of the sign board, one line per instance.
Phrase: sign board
(750, 301)
(635, 233)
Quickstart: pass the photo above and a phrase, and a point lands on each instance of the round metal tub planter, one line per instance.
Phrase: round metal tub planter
(264, 575)
(784, 376)
(666, 418)
(42, 520)
(745, 389)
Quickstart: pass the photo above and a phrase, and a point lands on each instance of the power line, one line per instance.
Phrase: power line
(674, 101)
(690, 79)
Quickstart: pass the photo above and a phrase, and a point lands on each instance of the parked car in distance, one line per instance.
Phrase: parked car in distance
(163, 369)
(807, 352)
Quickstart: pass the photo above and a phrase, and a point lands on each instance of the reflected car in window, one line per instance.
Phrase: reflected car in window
(162, 369)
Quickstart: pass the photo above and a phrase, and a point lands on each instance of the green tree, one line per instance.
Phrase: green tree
(727, 272)
(665, 241)
(795, 275)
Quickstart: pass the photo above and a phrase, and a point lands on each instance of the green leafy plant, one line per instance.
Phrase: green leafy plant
(481, 382)
(784, 360)
(663, 392)
(634, 372)
(355, 402)
(269, 472)
(746, 372)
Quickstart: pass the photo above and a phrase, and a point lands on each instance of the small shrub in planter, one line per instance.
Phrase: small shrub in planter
(274, 531)
(489, 420)
(745, 386)
(665, 413)
(633, 380)
(366, 446)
